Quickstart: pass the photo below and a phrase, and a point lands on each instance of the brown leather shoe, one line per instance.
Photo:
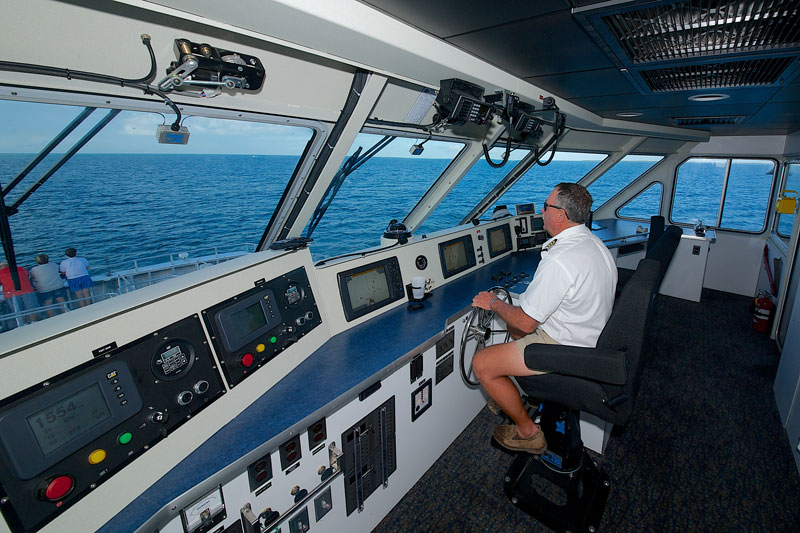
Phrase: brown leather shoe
(507, 437)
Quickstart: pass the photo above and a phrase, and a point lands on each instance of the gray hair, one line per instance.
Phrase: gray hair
(575, 200)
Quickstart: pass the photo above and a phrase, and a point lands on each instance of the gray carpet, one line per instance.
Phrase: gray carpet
(704, 451)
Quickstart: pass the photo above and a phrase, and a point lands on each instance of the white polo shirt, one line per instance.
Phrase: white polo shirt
(572, 291)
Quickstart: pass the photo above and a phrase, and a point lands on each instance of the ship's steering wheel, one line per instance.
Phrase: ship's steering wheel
(479, 329)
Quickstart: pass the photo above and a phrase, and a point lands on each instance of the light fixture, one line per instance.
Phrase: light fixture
(709, 97)
(629, 114)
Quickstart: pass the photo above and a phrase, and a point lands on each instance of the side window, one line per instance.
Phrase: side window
(619, 176)
(645, 204)
(724, 193)
(747, 195)
(785, 222)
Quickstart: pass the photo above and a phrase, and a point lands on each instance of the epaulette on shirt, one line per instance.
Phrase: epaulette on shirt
(549, 245)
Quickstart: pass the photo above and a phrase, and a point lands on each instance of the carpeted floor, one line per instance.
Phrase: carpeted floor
(705, 450)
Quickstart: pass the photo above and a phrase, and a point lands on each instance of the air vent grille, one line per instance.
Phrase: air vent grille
(750, 73)
(699, 28)
(707, 121)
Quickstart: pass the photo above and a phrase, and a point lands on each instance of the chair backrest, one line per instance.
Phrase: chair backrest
(625, 330)
(656, 229)
(664, 249)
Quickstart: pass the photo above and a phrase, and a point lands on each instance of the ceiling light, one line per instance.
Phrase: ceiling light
(629, 114)
(708, 97)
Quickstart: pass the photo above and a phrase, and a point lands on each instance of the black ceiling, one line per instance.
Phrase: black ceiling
(581, 50)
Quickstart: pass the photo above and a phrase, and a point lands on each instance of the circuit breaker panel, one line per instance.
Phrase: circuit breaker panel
(370, 455)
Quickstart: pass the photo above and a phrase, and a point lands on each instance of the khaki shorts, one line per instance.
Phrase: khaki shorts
(537, 337)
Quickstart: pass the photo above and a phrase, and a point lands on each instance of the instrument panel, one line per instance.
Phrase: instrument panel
(252, 328)
(62, 438)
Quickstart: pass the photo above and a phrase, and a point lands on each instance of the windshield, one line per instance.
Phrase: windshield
(382, 188)
(136, 210)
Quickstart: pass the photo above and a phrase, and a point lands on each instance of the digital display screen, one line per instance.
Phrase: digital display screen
(537, 223)
(525, 209)
(246, 321)
(455, 256)
(69, 418)
(499, 240)
(293, 294)
(368, 288)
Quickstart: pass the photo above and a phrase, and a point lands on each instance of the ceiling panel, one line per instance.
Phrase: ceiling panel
(446, 18)
(601, 82)
(577, 57)
(540, 46)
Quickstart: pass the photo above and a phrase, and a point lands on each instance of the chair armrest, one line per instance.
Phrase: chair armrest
(596, 364)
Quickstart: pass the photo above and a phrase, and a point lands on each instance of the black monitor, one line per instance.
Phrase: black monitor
(457, 255)
(537, 223)
(367, 288)
(499, 240)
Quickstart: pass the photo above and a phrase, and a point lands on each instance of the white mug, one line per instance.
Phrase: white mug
(418, 287)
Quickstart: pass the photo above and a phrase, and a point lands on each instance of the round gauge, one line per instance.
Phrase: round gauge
(172, 359)
(293, 294)
(422, 262)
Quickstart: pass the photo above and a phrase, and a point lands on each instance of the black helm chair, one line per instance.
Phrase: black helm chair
(602, 381)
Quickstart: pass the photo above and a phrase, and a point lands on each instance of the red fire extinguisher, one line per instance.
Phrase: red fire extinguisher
(762, 316)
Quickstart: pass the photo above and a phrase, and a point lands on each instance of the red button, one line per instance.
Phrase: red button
(58, 488)
(247, 360)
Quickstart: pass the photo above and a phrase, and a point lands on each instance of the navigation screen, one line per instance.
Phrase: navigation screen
(456, 255)
(499, 240)
(247, 320)
(367, 288)
(69, 418)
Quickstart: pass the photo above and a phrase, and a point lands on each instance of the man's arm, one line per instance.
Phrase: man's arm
(518, 322)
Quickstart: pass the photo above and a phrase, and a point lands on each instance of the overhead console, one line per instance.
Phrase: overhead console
(62, 438)
(253, 327)
(457, 255)
(367, 288)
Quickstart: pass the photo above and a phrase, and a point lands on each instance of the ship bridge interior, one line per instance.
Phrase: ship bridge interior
(391, 161)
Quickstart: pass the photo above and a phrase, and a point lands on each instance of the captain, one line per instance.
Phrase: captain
(568, 302)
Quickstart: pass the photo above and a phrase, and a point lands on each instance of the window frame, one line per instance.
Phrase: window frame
(641, 191)
(766, 223)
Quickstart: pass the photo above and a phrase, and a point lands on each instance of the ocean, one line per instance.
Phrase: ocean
(117, 208)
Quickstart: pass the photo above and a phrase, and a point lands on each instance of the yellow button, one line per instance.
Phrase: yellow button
(97, 456)
(260, 348)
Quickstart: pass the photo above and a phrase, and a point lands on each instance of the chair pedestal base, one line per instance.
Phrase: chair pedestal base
(586, 492)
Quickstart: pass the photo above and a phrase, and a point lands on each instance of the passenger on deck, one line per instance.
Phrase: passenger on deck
(76, 271)
(48, 282)
(568, 302)
(22, 299)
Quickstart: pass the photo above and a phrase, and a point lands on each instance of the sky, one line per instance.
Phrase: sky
(27, 127)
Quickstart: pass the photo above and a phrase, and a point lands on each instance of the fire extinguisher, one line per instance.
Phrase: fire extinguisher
(762, 316)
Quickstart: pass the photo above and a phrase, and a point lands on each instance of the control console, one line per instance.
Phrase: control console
(64, 437)
(253, 327)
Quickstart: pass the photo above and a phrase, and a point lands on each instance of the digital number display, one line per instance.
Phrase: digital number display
(247, 321)
(368, 288)
(69, 418)
(455, 256)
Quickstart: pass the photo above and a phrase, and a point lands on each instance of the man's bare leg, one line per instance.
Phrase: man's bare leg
(492, 367)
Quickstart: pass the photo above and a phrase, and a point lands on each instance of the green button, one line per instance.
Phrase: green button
(125, 438)
(273, 340)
